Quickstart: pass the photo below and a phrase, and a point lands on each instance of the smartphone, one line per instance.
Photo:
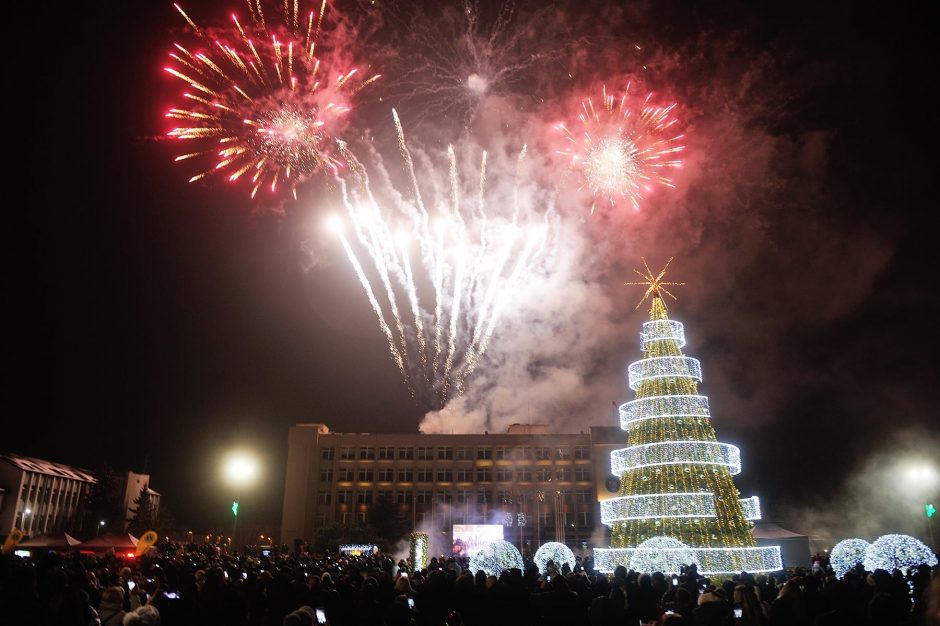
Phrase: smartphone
(675, 581)
(403, 574)
(131, 584)
(548, 579)
(738, 612)
(411, 603)
(321, 616)
(172, 595)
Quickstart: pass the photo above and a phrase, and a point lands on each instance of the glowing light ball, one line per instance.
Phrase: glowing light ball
(556, 552)
(902, 552)
(661, 554)
(495, 558)
(846, 555)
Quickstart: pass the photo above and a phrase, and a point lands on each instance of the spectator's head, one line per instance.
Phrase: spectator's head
(112, 598)
(146, 615)
(601, 613)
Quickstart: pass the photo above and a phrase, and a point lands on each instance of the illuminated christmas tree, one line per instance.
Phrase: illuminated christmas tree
(677, 502)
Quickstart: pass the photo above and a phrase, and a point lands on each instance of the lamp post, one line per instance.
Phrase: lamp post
(100, 526)
(922, 478)
(240, 471)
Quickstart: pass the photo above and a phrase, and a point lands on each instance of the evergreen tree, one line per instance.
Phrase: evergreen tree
(144, 517)
(103, 502)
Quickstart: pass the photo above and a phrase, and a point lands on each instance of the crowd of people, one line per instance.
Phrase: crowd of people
(190, 585)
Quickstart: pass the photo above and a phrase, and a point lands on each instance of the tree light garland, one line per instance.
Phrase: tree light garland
(659, 330)
(710, 561)
(846, 555)
(662, 406)
(676, 453)
(655, 505)
(556, 552)
(495, 558)
(751, 508)
(663, 367)
(661, 554)
(357, 549)
(901, 552)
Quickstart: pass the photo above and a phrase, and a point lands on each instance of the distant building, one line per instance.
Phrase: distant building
(40, 496)
(133, 483)
(549, 482)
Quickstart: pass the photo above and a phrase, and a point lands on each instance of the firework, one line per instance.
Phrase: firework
(454, 58)
(262, 103)
(623, 147)
(441, 279)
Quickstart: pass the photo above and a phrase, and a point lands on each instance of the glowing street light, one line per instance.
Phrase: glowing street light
(240, 471)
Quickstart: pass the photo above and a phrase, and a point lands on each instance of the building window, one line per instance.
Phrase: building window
(563, 453)
(583, 497)
(406, 453)
(445, 476)
(569, 520)
(344, 497)
(524, 474)
(345, 474)
(445, 453)
(364, 497)
(346, 453)
(484, 475)
(406, 476)
(582, 452)
(464, 475)
(385, 475)
(425, 475)
(444, 497)
(404, 497)
(424, 497)
(463, 454)
(361, 515)
(366, 475)
(485, 453)
(387, 496)
(584, 519)
(323, 497)
(546, 520)
(326, 454)
(543, 454)
(543, 475)
(563, 473)
(386, 453)
(504, 497)
(524, 453)
(321, 520)
(503, 453)
(484, 497)
(582, 474)
(463, 497)
(345, 517)
(367, 453)
(326, 476)
(503, 475)
(425, 453)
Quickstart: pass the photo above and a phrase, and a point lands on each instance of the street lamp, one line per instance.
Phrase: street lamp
(100, 526)
(922, 478)
(240, 471)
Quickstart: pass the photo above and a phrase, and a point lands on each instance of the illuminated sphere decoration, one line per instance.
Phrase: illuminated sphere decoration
(495, 558)
(661, 554)
(846, 555)
(556, 552)
(901, 552)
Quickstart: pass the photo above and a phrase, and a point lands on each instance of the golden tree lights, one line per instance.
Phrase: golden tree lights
(676, 491)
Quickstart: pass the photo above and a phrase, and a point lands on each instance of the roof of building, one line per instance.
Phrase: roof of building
(49, 468)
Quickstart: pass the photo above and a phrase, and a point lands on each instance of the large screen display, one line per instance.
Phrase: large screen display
(469, 538)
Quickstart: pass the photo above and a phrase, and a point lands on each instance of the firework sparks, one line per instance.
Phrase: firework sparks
(261, 104)
(455, 267)
(453, 59)
(622, 147)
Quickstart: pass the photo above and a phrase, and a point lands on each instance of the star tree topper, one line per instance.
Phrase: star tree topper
(655, 285)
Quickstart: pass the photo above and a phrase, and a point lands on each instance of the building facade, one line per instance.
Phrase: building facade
(40, 496)
(541, 486)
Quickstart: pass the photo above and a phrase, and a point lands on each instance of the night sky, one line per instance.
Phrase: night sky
(155, 324)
